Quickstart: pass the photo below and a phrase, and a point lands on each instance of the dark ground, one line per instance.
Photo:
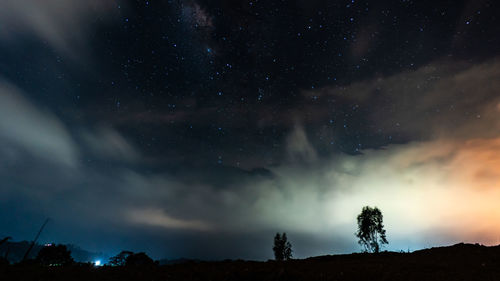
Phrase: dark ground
(458, 262)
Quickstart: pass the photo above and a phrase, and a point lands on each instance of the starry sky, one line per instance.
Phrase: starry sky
(197, 128)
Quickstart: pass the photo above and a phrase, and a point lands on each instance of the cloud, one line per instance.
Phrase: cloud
(107, 143)
(442, 98)
(158, 218)
(41, 134)
(61, 23)
(426, 190)
(443, 185)
(298, 146)
(26, 128)
(423, 188)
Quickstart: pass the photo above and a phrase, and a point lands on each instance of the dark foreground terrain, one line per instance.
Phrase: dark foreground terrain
(459, 262)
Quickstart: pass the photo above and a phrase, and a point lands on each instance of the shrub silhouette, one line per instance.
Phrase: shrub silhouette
(282, 248)
(371, 232)
(120, 259)
(54, 255)
(139, 259)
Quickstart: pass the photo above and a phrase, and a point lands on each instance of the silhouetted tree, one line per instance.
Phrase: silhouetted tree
(139, 259)
(282, 248)
(54, 255)
(120, 259)
(371, 232)
(278, 248)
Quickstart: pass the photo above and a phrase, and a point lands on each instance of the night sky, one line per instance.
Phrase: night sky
(200, 128)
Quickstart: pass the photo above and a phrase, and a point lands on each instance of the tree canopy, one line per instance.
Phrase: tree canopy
(282, 248)
(120, 259)
(371, 232)
(54, 255)
(139, 259)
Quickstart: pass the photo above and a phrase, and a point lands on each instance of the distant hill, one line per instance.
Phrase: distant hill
(16, 250)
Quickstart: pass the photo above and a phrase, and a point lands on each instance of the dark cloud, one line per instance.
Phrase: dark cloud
(447, 98)
(62, 24)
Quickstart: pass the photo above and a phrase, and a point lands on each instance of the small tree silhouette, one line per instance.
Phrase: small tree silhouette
(120, 259)
(371, 232)
(54, 255)
(282, 248)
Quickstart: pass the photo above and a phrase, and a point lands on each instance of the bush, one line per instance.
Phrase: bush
(54, 255)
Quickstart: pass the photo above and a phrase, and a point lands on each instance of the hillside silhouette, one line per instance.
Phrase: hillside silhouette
(457, 262)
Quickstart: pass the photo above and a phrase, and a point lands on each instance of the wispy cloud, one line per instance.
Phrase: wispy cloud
(441, 98)
(158, 218)
(298, 146)
(106, 142)
(23, 126)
